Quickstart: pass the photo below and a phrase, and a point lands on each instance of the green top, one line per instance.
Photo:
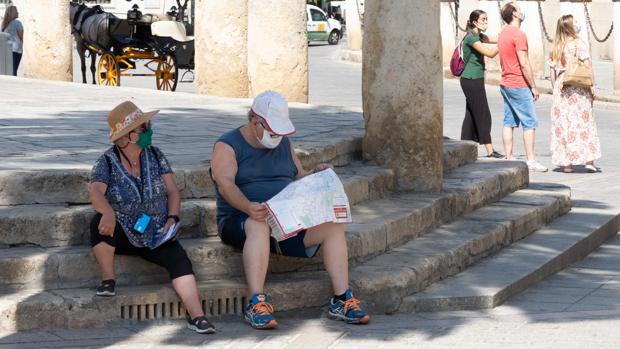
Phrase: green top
(474, 60)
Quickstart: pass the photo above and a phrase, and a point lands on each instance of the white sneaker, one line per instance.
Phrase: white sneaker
(536, 166)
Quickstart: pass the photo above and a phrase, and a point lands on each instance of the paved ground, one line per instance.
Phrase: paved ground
(577, 308)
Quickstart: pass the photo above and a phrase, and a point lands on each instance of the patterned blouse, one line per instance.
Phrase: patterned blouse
(132, 196)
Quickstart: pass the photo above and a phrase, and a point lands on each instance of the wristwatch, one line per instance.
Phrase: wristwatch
(175, 217)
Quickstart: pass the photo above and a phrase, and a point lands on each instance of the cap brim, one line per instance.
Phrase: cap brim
(281, 128)
(145, 117)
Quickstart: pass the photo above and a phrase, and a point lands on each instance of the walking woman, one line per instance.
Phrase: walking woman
(574, 139)
(477, 123)
(14, 27)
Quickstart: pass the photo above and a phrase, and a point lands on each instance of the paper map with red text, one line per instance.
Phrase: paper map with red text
(308, 202)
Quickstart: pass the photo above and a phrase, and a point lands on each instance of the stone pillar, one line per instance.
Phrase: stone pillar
(402, 91)
(48, 43)
(616, 43)
(221, 39)
(448, 32)
(533, 30)
(354, 26)
(278, 48)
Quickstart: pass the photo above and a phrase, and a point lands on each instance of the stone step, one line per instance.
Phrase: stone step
(71, 186)
(49, 225)
(494, 280)
(53, 225)
(379, 225)
(64, 186)
(380, 282)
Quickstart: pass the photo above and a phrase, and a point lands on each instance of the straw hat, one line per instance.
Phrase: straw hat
(125, 117)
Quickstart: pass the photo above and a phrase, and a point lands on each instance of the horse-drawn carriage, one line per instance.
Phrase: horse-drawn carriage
(121, 43)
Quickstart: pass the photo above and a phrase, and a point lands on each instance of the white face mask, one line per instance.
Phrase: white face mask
(269, 141)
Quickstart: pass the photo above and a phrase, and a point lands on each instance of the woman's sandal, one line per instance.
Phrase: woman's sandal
(592, 169)
(568, 169)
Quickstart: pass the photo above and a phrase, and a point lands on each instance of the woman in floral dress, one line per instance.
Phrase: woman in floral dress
(574, 139)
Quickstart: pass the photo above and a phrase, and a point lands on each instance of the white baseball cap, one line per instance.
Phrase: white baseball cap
(273, 108)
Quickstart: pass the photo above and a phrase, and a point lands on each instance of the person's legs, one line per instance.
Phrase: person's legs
(507, 140)
(104, 254)
(17, 57)
(528, 140)
(186, 288)
(510, 120)
(256, 255)
(104, 248)
(335, 257)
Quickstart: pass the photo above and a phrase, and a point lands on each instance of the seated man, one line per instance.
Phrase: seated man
(250, 165)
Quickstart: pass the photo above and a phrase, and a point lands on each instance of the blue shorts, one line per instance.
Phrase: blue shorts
(519, 108)
(232, 232)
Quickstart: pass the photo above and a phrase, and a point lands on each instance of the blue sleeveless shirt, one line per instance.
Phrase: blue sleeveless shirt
(261, 173)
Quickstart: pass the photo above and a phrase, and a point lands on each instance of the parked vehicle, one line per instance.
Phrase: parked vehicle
(321, 28)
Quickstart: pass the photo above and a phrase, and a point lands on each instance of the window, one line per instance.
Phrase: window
(5, 2)
(317, 16)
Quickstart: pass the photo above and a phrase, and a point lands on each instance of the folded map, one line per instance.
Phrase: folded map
(308, 202)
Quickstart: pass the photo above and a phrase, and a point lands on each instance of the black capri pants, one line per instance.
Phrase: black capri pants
(170, 255)
(477, 124)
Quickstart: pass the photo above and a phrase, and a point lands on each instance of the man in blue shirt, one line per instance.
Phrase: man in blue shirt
(250, 165)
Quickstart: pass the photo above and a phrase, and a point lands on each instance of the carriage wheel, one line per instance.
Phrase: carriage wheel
(107, 71)
(167, 74)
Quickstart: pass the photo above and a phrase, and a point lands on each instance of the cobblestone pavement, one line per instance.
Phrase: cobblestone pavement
(576, 308)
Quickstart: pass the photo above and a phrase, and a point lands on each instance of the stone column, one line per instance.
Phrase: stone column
(448, 31)
(221, 39)
(48, 43)
(354, 26)
(616, 43)
(278, 48)
(533, 30)
(402, 91)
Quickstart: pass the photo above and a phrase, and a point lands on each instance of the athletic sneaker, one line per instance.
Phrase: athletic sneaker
(259, 312)
(200, 324)
(106, 289)
(536, 166)
(348, 311)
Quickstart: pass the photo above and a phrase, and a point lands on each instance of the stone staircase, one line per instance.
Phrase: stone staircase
(399, 243)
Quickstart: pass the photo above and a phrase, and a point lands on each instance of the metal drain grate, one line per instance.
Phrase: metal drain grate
(176, 310)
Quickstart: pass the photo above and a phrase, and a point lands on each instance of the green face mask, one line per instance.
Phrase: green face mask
(144, 139)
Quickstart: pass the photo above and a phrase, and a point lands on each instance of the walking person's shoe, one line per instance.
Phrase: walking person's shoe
(496, 155)
(536, 166)
(259, 312)
(592, 169)
(348, 310)
(200, 324)
(106, 289)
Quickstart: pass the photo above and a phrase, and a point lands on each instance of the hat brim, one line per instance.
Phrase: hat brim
(281, 129)
(145, 117)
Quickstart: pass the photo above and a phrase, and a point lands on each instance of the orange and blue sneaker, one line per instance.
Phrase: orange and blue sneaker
(259, 312)
(348, 311)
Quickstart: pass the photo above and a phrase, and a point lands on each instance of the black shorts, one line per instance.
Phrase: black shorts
(232, 232)
(170, 255)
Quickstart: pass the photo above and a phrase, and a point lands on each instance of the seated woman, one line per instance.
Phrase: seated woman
(132, 182)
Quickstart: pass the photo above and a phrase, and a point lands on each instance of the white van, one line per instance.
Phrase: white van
(321, 28)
